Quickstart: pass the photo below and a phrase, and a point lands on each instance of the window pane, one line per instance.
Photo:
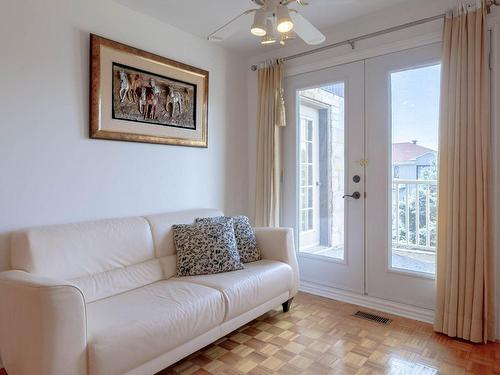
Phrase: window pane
(303, 152)
(309, 131)
(303, 198)
(310, 219)
(303, 175)
(309, 197)
(415, 118)
(309, 146)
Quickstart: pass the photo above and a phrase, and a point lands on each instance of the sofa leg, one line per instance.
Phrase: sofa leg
(286, 305)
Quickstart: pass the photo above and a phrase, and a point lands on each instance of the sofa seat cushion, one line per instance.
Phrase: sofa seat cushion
(129, 329)
(250, 287)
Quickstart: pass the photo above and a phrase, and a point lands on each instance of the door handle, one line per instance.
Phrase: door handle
(355, 195)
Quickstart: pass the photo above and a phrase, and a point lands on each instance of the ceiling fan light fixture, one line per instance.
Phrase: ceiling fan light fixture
(259, 23)
(270, 36)
(284, 20)
(273, 22)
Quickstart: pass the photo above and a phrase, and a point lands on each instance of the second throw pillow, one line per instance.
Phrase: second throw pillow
(206, 248)
(245, 236)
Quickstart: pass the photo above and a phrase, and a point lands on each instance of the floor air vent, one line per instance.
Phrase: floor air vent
(372, 317)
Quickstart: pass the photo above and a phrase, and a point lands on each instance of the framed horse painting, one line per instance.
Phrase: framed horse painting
(142, 97)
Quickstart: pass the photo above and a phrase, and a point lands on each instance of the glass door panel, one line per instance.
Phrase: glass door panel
(321, 169)
(415, 120)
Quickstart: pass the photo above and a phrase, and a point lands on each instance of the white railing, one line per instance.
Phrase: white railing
(418, 196)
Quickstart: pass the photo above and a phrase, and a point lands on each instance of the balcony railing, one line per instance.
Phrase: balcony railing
(414, 215)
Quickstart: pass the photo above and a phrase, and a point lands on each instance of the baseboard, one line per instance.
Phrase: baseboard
(395, 308)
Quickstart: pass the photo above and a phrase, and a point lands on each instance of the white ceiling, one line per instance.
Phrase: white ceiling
(201, 17)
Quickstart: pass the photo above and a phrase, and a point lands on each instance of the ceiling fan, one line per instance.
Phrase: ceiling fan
(273, 22)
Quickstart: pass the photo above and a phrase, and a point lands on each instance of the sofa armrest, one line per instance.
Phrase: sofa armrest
(278, 244)
(43, 327)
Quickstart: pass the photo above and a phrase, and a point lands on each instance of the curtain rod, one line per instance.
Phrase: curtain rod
(352, 41)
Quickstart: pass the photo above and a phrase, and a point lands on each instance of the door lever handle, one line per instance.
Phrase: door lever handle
(355, 195)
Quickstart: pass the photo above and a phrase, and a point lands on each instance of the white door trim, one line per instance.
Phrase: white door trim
(395, 308)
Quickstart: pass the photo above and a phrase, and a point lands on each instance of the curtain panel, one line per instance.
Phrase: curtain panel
(271, 117)
(464, 306)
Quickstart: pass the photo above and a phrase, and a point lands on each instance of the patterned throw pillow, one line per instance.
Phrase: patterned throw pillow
(206, 248)
(245, 236)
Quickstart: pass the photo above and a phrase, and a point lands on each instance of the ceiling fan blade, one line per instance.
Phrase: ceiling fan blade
(240, 22)
(305, 29)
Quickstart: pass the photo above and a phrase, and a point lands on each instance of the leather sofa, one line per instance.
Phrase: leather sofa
(102, 298)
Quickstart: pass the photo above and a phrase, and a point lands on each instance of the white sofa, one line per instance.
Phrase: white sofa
(102, 297)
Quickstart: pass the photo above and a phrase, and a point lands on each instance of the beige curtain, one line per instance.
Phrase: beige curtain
(464, 305)
(271, 117)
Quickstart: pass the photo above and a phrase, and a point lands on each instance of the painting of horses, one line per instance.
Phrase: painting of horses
(139, 96)
(145, 97)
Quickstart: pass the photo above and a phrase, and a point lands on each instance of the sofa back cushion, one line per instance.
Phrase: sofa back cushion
(102, 257)
(163, 235)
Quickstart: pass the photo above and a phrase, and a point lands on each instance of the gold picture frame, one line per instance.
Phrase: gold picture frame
(138, 96)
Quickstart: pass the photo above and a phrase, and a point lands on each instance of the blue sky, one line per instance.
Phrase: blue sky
(415, 105)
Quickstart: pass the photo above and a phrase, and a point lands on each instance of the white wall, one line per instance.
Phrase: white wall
(51, 172)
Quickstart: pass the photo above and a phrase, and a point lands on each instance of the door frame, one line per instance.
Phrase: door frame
(423, 313)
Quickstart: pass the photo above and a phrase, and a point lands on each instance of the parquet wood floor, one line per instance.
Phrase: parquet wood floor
(319, 336)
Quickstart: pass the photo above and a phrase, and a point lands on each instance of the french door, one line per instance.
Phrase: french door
(328, 110)
(402, 116)
(360, 175)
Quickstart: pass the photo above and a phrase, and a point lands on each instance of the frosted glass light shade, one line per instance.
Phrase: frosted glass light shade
(259, 23)
(284, 21)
